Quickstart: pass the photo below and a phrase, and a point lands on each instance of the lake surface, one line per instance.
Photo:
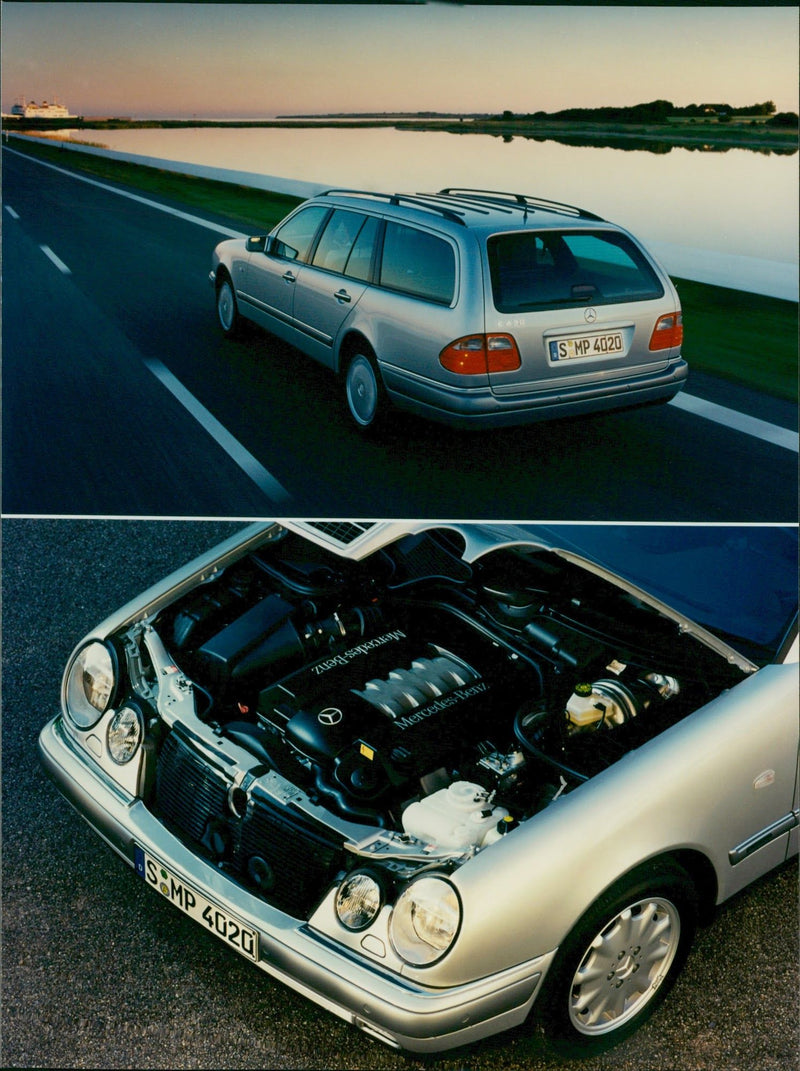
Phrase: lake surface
(727, 217)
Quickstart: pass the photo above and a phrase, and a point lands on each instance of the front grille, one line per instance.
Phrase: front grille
(303, 863)
(189, 791)
(276, 852)
(342, 531)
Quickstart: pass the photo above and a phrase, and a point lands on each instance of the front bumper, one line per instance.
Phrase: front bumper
(397, 1011)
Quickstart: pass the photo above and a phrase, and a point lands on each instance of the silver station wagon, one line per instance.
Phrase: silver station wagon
(440, 778)
(466, 306)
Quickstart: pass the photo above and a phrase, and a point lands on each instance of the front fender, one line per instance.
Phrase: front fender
(695, 788)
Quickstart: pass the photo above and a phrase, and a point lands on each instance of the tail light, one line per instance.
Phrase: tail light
(668, 331)
(479, 354)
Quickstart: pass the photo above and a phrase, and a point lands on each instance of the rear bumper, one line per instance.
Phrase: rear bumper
(478, 407)
(395, 1010)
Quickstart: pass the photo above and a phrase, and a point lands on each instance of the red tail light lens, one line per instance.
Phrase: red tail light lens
(479, 354)
(668, 331)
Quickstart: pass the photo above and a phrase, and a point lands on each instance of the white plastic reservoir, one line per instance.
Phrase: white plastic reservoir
(457, 817)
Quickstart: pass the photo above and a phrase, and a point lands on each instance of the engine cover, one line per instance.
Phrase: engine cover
(399, 705)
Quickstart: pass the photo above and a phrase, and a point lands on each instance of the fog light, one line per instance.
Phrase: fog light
(124, 734)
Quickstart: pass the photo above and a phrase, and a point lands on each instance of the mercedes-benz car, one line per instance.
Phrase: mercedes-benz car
(441, 778)
(470, 307)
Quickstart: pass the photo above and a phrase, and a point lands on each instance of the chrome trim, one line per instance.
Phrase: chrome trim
(262, 306)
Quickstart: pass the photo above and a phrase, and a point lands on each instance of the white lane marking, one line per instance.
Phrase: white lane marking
(11, 212)
(135, 197)
(731, 418)
(59, 263)
(263, 479)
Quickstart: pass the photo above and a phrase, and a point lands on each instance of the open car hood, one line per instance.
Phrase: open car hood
(359, 539)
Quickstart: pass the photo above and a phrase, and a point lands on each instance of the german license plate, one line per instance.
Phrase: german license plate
(196, 906)
(608, 344)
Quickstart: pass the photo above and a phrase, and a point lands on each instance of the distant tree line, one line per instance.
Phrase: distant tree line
(697, 111)
(658, 111)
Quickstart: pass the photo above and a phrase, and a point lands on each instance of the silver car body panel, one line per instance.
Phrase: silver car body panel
(720, 785)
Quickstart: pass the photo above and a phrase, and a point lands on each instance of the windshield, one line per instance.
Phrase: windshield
(738, 582)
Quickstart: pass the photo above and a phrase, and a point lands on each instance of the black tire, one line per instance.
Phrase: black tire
(365, 394)
(620, 960)
(227, 308)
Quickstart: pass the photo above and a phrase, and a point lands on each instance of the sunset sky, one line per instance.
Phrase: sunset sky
(255, 60)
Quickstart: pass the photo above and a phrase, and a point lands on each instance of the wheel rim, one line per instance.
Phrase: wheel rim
(624, 966)
(225, 306)
(362, 390)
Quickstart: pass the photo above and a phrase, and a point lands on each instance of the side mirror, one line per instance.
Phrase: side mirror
(257, 244)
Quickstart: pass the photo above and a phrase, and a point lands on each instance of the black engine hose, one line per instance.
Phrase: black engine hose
(541, 715)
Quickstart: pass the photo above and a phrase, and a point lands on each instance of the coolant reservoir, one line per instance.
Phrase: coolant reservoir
(456, 817)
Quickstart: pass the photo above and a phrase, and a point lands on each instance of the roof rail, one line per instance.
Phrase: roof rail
(473, 206)
(521, 201)
(398, 198)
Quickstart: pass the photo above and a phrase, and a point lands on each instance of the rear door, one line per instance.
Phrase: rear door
(581, 304)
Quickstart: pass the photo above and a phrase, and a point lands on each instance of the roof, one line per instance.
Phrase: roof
(468, 208)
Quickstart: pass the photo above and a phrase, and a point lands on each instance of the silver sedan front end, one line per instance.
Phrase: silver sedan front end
(395, 1010)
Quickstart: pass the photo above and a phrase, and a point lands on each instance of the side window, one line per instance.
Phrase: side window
(359, 263)
(418, 263)
(296, 235)
(337, 239)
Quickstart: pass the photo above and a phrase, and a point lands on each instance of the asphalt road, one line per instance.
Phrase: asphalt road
(108, 321)
(100, 972)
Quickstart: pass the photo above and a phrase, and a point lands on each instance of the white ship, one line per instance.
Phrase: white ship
(29, 109)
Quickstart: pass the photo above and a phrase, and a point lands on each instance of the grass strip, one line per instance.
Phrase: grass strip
(733, 334)
(259, 209)
(743, 337)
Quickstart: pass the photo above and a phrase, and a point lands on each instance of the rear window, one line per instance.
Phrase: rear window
(418, 263)
(531, 270)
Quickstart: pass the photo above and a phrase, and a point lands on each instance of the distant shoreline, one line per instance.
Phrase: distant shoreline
(709, 135)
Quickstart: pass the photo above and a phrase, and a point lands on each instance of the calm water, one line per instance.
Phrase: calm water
(730, 217)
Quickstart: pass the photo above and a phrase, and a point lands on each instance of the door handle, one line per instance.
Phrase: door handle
(342, 296)
(289, 277)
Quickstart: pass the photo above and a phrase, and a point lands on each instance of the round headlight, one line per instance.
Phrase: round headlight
(358, 900)
(425, 921)
(90, 684)
(124, 734)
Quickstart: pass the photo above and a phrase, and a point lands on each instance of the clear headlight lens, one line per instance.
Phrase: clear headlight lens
(90, 684)
(425, 921)
(358, 900)
(124, 734)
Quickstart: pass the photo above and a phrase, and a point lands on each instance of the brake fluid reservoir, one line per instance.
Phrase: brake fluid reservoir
(584, 706)
(456, 817)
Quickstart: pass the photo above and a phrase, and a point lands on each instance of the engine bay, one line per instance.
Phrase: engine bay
(413, 693)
